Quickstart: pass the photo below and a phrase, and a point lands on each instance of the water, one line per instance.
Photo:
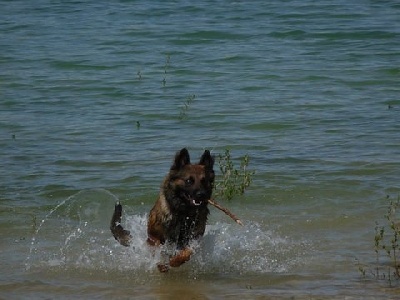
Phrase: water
(92, 110)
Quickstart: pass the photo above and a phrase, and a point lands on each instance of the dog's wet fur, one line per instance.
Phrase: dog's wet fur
(179, 216)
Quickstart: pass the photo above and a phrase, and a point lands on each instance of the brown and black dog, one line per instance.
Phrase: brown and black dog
(180, 213)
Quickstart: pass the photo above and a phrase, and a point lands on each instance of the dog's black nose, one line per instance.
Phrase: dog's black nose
(201, 194)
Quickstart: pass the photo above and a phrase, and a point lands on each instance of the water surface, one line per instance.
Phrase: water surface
(92, 110)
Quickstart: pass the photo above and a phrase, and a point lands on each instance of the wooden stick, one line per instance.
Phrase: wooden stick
(225, 210)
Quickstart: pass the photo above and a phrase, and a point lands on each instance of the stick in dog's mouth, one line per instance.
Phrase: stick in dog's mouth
(225, 210)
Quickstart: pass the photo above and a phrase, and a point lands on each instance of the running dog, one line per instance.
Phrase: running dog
(179, 216)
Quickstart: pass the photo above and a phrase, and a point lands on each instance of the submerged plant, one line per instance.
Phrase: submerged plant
(185, 107)
(386, 247)
(234, 180)
(34, 223)
(166, 66)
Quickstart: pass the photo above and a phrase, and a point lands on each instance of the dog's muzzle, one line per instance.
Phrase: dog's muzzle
(197, 200)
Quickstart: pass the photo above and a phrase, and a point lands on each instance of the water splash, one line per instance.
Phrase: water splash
(249, 249)
(66, 223)
(75, 235)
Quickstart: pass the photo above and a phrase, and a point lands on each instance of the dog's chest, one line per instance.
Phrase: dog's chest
(184, 227)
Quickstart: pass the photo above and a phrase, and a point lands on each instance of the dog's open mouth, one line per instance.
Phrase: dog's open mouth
(193, 201)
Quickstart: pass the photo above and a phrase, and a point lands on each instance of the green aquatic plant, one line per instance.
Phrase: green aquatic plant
(234, 180)
(386, 247)
(185, 107)
(34, 223)
(166, 67)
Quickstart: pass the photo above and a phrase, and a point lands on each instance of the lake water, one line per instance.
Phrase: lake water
(97, 96)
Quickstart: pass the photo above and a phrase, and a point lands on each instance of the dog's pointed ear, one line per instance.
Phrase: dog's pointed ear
(182, 159)
(207, 160)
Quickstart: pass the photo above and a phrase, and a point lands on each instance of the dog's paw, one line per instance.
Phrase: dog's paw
(163, 268)
(181, 257)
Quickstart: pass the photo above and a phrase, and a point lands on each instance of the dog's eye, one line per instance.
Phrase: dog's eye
(189, 181)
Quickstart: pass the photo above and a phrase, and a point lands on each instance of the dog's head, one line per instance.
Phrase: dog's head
(191, 184)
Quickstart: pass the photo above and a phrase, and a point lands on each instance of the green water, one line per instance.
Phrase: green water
(92, 110)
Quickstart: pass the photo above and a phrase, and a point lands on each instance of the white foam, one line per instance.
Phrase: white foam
(79, 239)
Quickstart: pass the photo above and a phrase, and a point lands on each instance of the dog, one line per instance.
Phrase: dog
(180, 214)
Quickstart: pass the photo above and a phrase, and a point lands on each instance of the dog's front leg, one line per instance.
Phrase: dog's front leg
(181, 257)
(178, 259)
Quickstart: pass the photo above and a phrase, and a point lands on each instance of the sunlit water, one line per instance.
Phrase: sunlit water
(96, 98)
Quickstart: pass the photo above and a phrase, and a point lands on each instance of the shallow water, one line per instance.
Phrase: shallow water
(96, 97)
